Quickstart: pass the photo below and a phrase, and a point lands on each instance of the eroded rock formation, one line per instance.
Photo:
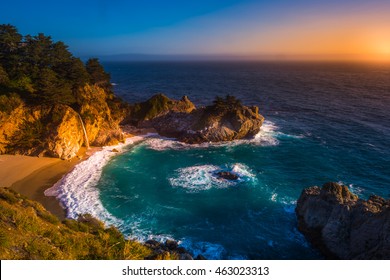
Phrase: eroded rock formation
(56, 130)
(343, 226)
(222, 121)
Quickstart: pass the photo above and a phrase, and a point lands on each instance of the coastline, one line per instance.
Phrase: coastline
(31, 176)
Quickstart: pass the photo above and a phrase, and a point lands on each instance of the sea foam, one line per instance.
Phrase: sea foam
(266, 137)
(76, 190)
(204, 177)
(210, 251)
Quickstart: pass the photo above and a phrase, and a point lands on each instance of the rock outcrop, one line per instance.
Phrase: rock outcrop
(170, 249)
(343, 226)
(53, 131)
(101, 124)
(216, 123)
(158, 105)
(56, 130)
(60, 130)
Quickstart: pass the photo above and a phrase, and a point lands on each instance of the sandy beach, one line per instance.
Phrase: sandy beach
(31, 176)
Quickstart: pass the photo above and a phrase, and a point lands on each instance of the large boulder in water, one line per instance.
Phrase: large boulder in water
(343, 226)
(227, 119)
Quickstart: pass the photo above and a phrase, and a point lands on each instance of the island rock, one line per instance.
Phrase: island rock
(341, 225)
(227, 119)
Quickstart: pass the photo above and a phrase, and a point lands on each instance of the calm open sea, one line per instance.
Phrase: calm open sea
(324, 122)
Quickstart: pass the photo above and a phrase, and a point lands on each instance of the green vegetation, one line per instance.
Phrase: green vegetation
(152, 107)
(40, 70)
(28, 231)
(230, 102)
(9, 102)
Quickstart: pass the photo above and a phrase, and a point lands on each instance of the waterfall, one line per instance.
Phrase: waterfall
(85, 132)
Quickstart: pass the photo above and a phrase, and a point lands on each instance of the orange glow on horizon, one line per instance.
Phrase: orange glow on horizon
(361, 36)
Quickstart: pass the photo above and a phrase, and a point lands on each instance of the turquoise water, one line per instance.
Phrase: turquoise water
(324, 122)
(161, 191)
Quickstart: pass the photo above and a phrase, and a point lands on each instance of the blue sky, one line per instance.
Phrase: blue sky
(230, 27)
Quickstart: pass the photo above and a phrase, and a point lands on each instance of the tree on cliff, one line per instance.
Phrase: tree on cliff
(9, 43)
(3, 77)
(41, 70)
(97, 74)
(227, 103)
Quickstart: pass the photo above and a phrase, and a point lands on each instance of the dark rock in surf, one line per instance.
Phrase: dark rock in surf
(341, 225)
(227, 175)
(168, 250)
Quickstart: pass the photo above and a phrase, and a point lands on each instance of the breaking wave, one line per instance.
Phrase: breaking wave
(76, 190)
(204, 177)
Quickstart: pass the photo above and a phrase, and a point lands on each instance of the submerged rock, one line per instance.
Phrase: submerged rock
(341, 225)
(227, 175)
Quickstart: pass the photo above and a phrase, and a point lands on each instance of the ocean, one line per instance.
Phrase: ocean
(324, 122)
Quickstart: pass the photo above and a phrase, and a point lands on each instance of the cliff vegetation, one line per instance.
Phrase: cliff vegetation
(47, 95)
(28, 231)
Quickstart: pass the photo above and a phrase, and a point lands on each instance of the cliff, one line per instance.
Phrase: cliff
(343, 226)
(56, 130)
(101, 113)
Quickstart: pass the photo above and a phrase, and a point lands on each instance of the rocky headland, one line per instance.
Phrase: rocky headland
(59, 130)
(52, 104)
(226, 120)
(341, 225)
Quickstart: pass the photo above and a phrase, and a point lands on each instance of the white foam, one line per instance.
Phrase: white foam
(266, 137)
(287, 202)
(203, 177)
(242, 170)
(211, 251)
(198, 178)
(76, 190)
(355, 190)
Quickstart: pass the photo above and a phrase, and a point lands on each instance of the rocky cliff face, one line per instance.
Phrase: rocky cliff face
(210, 124)
(101, 126)
(56, 130)
(343, 226)
(53, 131)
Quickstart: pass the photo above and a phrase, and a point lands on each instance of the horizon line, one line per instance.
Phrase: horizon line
(128, 57)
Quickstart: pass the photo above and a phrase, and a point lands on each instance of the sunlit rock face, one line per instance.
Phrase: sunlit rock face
(57, 130)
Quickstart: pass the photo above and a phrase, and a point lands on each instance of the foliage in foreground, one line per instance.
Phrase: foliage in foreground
(28, 231)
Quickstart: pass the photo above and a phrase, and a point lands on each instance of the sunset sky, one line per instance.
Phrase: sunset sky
(279, 29)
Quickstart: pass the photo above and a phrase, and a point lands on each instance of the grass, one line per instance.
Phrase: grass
(28, 231)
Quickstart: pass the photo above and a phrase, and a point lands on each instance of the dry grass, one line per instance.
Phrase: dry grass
(28, 231)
